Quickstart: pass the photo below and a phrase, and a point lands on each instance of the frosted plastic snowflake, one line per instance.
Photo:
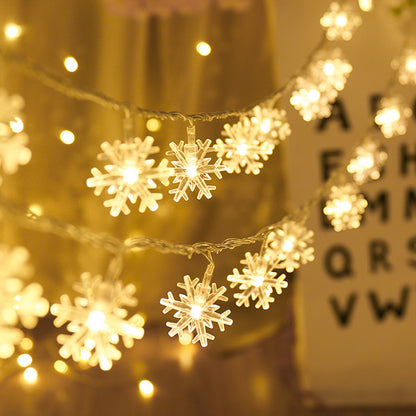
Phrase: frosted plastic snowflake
(345, 207)
(405, 65)
(393, 116)
(256, 281)
(13, 149)
(192, 169)
(289, 246)
(18, 303)
(196, 311)
(130, 175)
(331, 68)
(271, 123)
(242, 147)
(97, 320)
(368, 160)
(340, 21)
(311, 99)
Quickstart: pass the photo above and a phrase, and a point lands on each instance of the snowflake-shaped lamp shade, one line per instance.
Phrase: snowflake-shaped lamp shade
(242, 147)
(289, 246)
(18, 303)
(97, 320)
(130, 175)
(330, 68)
(340, 21)
(271, 124)
(192, 168)
(345, 207)
(312, 100)
(393, 116)
(256, 281)
(405, 65)
(369, 158)
(13, 141)
(197, 310)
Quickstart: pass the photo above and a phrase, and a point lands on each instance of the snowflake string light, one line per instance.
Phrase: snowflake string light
(405, 65)
(345, 207)
(271, 124)
(340, 21)
(330, 68)
(257, 281)
(192, 168)
(18, 303)
(393, 116)
(368, 160)
(242, 147)
(196, 311)
(13, 141)
(311, 99)
(289, 246)
(97, 321)
(130, 175)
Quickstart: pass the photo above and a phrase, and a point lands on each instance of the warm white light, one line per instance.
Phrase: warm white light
(146, 388)
(185, 338)
(203, 48)
(411, 65)
(12, 31)
(196, 311)
(242, 149)
(288, 245)
(366, 162)
(329, 68)
(341, 20)
(85, 355)
(258, 280)
(153, 124)
(71, 64)
(265, 126)
(60, 366)
(313, 95)
(388, 116)
(36, 209)
(16, 125)
(30, 375)
(24, 360)
(26, 344)
(130, 175)
(365, 5)
(67, 137)
(342, 206)
(96, 321)
(191, 171)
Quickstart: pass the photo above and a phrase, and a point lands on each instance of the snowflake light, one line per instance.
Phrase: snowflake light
(18, 303)
(196, 310)
(367, 162)
(289, 246)
(13, 141)
(256, 281)
(130, 175)
(340, 21)
(271, 124)
(405, 65)
(311, 99)
(192, 168)
(345, 207)
(331, 68)
(393, 116)
(242, 147)
(97, 320)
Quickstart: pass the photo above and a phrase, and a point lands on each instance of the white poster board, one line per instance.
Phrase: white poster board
(356, 303)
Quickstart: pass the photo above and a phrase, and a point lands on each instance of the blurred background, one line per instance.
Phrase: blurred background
(144, 52)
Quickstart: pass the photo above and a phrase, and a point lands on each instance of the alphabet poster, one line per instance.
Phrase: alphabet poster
(356, 303)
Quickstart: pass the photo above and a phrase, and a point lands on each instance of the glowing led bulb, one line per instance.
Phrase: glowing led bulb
(24, 360)
(26, 344)
(96, 321)
(16, 125)
(329, 68)
(130, 175)
(242, 149)
(60, 366)
(411, 65)
(341, 20)
(314, 95)
(67, 137)
(265, 126)
(12, 31)
(365, 5)
(191, 171)
(71, 64)
(196, 311)
(85, 354)
(405, 65)
(185, 338)
(146, 388)
(258, 280)
(288, 245)
(30, 375)
(153, 124)
(203, 48)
